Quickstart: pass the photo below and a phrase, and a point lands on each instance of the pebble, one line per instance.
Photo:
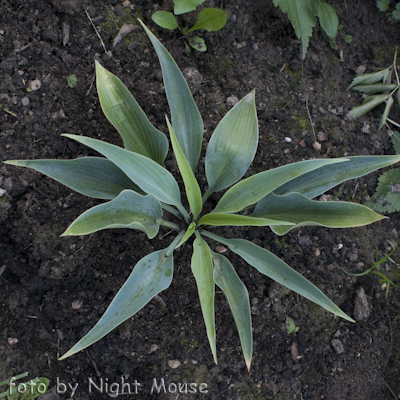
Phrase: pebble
(174, 364)
(232, 101)
(35, 85)
(12, 341)
(317, 146)
(288, 139)
(153, 349)
(337, 346)
(294, 351)
(2, 192)
(77, 304)
(303, 143)
(221, 249)
(321, 136)
(362, 309)
(255, 47)
(25, 101)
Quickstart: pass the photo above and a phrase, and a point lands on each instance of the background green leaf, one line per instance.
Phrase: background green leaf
(328, 19)
(184, 6)
(151, 275)
(383, 5)
(302, 15)
(222, 219)
(122, 110)
(165, 19)
(370, 78)
(202, 268)
(128, 210)
(375, 88)
(385, 115)
(210, 19)
(368, 104)
(296, 208)
(236, 293)
(232, 146)
(387, 196)
(197, 43)
(395, 138)
(92, 176)
(186, 119)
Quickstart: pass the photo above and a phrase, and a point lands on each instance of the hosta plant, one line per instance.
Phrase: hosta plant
(141, 194)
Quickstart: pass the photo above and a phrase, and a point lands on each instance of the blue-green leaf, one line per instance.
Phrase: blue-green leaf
(236, 293)
(254, 188)
(122, 110)
(223, 219)
(272, 266)
(151, 275)
(146, 173)
(186, 119)
(232, 145)
(202, 268)
(128, 210)
(92, 176)
(296, 208)
(316, 182)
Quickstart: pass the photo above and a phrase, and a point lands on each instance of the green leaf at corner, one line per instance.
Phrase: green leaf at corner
(373, 77)
(151, 275)
(385, 115)
(197, 43)
(328, 19)
(396, 141)
(210, 19)
(165, 19)
(302, 15)
(387, 196)
(236, 293)
(128, 118)
(368, 104)
(203, 271)
(128, 210)
(184, 6)
(383, 5)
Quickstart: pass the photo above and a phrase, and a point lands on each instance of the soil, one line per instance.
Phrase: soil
(53, 290)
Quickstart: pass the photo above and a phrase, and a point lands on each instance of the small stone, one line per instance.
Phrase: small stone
(294, 351)
(232, 101)
(305, 240)
(126, 3)
(12, 341)
(255, 47)
(321, 136)
(361, 69)
(153, 349)
(174, 364)
(2, 192)
(337, 346)
(394, 233)
(221, 249)
(365, 127)
(317, 146)
(303, 143)
(321, 110)
(317, 252)
(77, 304)
(254, 301)
(25, 101)
(288, 139)
(362, 309)
(35, 85)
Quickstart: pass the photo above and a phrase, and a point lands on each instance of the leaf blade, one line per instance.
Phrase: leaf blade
(272, 266)
(128, 210)
(226, 278)
(191, 186)
(296, 208)
(202, 268)
(233, 145)
(222, 219)
(184, 6)
(151, 275)
(368, 104)
(146, 173)
(328, 19)
(91, 176)
(386, 112)
(373, 77)
(254, 188)
(165, 19)
(186, 119)
(316, 182)
(125, 114)
(210, 19)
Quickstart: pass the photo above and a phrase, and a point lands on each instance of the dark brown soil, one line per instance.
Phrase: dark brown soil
(53, 290)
